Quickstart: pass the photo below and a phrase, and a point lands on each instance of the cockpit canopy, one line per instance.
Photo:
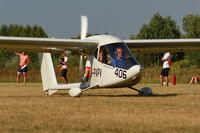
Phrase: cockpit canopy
(116, 55)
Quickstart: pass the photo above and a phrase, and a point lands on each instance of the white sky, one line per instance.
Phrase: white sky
(61, 18)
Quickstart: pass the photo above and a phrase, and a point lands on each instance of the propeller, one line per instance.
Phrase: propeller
(84, 29)
(84, 26)
(81, 65)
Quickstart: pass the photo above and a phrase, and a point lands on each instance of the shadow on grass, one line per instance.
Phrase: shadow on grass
(129, 95)
(89, 95)
(25, 96)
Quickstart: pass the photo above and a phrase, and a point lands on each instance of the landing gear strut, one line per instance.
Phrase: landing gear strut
(146, 91)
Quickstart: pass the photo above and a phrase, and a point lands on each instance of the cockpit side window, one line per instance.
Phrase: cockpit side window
(95, 53)
(103, 55)
(117, 55)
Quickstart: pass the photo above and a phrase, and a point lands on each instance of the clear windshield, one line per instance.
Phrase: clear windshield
(117, 55)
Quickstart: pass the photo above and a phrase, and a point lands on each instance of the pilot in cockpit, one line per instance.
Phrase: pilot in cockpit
(119, 59)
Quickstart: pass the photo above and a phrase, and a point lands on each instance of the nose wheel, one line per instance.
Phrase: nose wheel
(145, 91)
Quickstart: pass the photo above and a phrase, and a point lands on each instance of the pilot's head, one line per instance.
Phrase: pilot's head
(119, 52)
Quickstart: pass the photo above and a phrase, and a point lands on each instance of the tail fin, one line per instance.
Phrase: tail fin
(47, 71)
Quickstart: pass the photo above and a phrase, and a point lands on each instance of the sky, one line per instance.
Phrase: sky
(61, 18)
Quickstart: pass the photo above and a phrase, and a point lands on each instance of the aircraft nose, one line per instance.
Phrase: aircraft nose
(136, 69)
(136, 74)
(139, 68)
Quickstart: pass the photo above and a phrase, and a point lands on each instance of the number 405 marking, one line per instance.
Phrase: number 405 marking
(121, 73)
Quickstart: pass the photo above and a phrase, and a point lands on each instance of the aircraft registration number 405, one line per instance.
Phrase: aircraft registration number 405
(121, 73)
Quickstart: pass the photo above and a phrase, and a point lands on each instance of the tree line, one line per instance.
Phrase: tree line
(7, 58)
(159, 27)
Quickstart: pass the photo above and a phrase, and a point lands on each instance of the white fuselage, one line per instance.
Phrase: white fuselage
(106, 75)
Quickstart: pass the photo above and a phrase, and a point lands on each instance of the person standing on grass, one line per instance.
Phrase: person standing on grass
(64, 67)
(23, 66)
(166, 67)
(88, 68)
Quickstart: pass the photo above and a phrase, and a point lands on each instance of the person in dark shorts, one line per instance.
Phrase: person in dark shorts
(63, 73)
(64, 67)
(165, 72)
(23, 66)
(23, 69)
(166, 67)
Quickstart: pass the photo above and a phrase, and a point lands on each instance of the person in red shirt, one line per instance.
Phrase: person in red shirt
(88, 70)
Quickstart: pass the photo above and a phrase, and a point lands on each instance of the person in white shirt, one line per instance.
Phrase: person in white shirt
(166, 67)
(87, 69)
(64, 67)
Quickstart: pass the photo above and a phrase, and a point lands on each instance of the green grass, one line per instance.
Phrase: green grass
(25, 108)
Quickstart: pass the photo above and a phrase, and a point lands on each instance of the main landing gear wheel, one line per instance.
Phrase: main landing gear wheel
(75, 92)
(145, 91)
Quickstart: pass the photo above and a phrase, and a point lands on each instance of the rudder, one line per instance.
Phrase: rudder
(47, 71)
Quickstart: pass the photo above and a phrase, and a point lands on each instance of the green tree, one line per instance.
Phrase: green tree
(4, 31)
(191, 26)
(193, 58)
(20, 31)
(158, 28)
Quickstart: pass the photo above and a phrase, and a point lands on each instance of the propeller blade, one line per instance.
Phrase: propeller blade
(81, 65)
(84, 26)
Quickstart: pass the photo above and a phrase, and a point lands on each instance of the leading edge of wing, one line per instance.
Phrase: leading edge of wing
(46, 44)
(158, 45)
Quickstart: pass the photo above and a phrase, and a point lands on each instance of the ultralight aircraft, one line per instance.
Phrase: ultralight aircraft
(104, 73)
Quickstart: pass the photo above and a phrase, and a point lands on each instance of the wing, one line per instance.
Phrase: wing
(45, 44)
(160, 45)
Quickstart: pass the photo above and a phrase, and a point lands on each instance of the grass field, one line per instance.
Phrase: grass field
(26, 109)
(149, 75)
